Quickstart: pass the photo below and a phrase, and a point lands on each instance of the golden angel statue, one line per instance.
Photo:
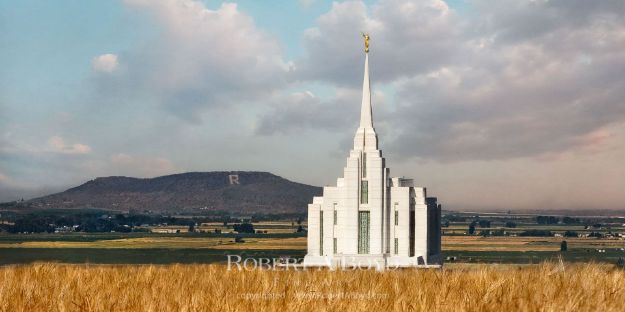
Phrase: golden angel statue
(366, 36)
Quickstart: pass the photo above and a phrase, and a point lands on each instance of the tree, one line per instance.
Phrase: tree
(472, 228)
(510, 224)
(595, 234)
(547, 220)
(191, 228)
(244, 228)
(569, 220)
(570, 234)
(563, 246)
(536, 233)
(454, 218)
(484, 223)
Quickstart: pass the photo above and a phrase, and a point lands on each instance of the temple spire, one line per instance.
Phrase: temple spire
(366, 119)
(366, 139)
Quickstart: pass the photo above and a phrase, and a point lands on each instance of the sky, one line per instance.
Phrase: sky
(510, 104)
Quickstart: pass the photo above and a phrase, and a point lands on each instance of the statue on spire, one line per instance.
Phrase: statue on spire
(366, 36)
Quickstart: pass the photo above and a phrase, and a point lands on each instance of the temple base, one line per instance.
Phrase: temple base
(375, 262)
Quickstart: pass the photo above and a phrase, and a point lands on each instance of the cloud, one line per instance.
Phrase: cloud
(303, 110)
(4, 179)
(105, 63)
(519, 93)
(518, 21)
(10, 189)
(511, 79)
(201, 59)
(58, 145)
(407, 38)
(140, 166)
(500, 96)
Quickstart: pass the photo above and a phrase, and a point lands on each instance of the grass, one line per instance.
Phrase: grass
(209, 248)
(174, 242)
(532, 257)
(545, 287)
(509, 243)
(89, 237)
(134, 255)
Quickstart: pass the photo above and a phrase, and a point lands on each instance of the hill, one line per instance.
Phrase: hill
(242, 192)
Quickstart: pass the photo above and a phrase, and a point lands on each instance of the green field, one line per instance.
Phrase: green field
(134, 256)
(533, 257)
(152, 248)
(211, 242)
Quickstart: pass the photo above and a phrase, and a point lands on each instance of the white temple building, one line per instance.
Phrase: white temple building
(370, 219)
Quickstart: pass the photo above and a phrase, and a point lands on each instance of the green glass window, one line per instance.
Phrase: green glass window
(321, 233)
(363, 232)
(364, 165)
(364, 192)
(396, 217)
(335, 245)
(396, 245)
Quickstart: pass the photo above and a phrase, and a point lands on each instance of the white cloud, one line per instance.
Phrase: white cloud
(511, 79)
(407, 38)
(58, 145)
(299, 111)
(201, 59)
(519, 90)
(105, 63)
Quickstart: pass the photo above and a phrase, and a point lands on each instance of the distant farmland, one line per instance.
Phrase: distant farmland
(160, 248)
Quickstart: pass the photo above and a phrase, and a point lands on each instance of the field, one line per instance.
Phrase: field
(507, 249)
(211, 242)
(154, 248)
(545, 287)
(149, 248)
(114, 271)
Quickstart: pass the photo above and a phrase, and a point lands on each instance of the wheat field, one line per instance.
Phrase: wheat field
(545, 287)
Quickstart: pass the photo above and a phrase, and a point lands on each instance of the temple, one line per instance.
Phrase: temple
(370, 219)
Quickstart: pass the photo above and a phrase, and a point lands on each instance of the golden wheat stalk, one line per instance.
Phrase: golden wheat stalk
(545, 287)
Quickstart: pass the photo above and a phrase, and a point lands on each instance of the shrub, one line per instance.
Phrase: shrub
(536, 233)
(510, 224)
(244, 228)
(472, 228)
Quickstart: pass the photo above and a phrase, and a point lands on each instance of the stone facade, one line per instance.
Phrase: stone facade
(369, 218)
